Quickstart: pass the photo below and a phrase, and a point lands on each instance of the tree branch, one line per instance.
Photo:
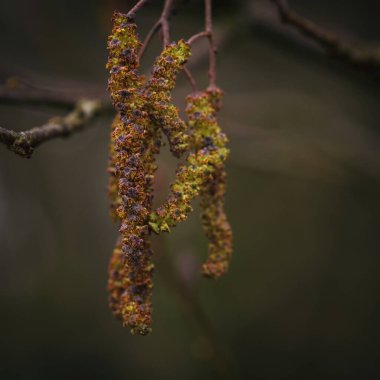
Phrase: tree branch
(36, 98)
(366, 58)
(213, 49)
(24, 143)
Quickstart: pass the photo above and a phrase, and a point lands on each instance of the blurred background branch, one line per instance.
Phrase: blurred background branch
(357, 56)
(20, 92)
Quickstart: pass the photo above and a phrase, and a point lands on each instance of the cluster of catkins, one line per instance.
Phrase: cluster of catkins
(144, 110)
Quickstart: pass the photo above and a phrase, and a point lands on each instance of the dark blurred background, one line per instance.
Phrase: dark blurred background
(301, 300)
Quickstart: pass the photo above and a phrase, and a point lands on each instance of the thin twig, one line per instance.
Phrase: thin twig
(149, 37)
(190, 78)
(136, 8)
(165, 26)
(369, 59)
(197, 37)
(213, 49)
(24, 143)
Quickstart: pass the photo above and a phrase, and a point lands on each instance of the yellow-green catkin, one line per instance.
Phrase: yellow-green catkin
(133, 160)
(209, 152)
(163, 112)
(203, 174)
(216, 226)
(214, 219)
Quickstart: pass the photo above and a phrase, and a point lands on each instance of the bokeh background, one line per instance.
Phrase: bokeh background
(302, 298)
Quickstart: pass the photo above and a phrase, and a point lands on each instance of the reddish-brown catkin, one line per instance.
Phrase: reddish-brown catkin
(117, 279)
(134, 169)
(113, 193)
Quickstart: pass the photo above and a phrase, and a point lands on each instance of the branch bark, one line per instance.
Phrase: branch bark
(24, 143)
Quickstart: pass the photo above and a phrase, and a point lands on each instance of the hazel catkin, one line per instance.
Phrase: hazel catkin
(144, 110)
(163, 112)
(134, 169)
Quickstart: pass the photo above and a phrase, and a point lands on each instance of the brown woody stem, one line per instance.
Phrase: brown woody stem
(24, 143)
(213, 49)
